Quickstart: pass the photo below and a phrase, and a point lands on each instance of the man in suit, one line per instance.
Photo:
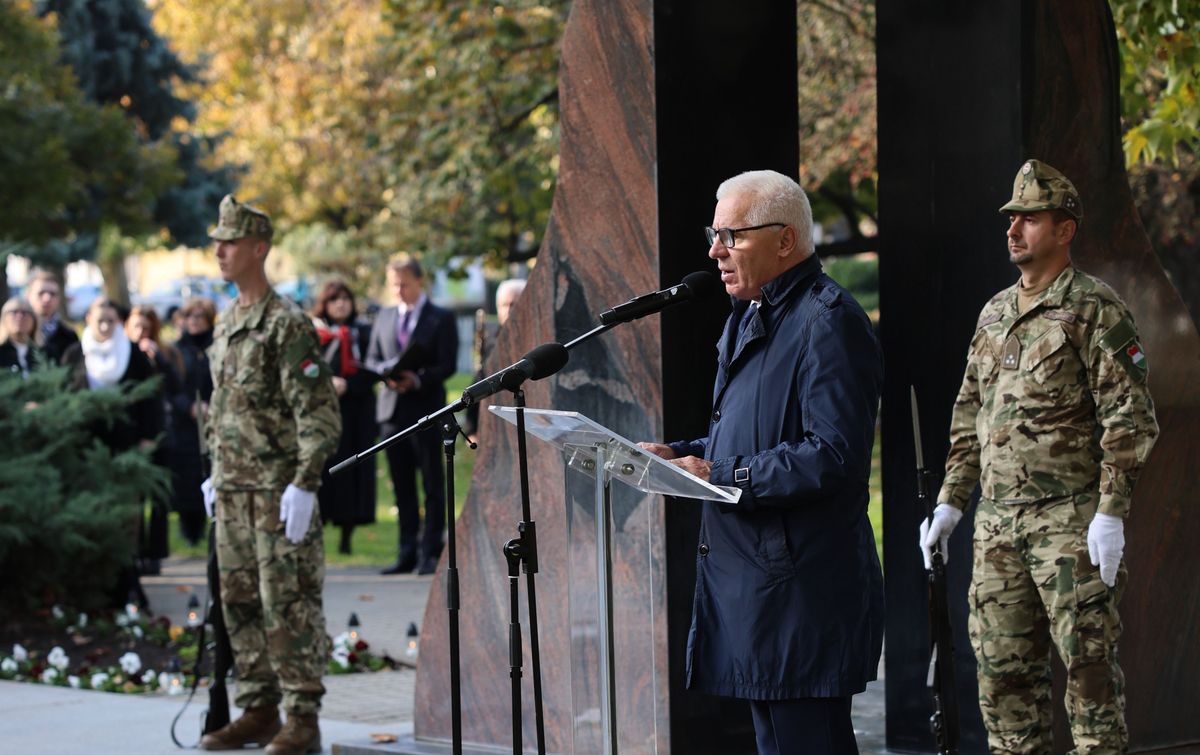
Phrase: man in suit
(45, 295)
(415, 324)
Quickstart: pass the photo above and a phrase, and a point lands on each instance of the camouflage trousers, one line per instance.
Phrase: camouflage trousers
(1033, 584)
(271, 595)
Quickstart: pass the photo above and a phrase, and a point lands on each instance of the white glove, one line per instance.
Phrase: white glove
(945, 519)
(210, 496)
(295, 511)
(1106, 544)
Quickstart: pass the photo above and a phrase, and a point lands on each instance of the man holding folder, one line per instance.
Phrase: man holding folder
(415, 346)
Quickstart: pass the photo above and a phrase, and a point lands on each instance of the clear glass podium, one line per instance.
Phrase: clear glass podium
(598, 456)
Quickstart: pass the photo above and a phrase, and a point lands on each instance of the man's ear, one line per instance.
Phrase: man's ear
(788, 241)
(1067, 229)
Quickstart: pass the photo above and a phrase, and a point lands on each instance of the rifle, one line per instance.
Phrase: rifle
(217, 714)
(944, 721)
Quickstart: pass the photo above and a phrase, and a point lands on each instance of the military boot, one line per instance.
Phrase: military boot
(257, 725)
(299, 735)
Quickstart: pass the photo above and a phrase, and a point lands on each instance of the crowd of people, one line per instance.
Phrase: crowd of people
(118, 346)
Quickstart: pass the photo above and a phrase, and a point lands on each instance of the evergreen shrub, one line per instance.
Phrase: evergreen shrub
(68, 506)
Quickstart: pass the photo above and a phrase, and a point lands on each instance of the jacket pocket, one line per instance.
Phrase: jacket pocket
(1048, 353)
(773, 549)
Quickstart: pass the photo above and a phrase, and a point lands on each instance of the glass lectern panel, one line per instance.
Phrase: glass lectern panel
(618, 628)
(578, 437)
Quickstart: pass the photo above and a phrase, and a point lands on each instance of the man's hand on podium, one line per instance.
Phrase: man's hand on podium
(658, 449)
(694, 465)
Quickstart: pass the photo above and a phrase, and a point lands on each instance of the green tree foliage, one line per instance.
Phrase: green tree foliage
(372, 126)
(838, 138)
(120, 61)
(1160, 108)
(67, 504)
(1160, 77)
(35, 151)
(66, 162)
(473, 138)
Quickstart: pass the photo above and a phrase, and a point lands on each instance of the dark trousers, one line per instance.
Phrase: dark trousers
(812, 726)
(421, 451)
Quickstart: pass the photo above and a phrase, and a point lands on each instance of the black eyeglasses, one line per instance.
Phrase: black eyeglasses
(728, 236)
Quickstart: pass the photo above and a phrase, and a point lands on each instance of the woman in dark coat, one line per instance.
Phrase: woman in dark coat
(198, 316)
(143, 328)
(19, 351)
(105, 358)
(347, 499)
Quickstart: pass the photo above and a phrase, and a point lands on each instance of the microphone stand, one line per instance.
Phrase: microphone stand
(523, 550)
(450, 432)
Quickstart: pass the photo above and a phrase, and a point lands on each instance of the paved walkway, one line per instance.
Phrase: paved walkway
(40, 719)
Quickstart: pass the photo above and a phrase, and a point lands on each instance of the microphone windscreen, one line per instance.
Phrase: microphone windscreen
(702, 284)
(548, 359)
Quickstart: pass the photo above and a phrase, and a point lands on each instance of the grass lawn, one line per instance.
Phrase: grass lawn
(875, 507)
(375, 544)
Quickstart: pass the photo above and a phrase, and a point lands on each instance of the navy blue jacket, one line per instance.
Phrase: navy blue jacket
(437, 333)
(789, 593)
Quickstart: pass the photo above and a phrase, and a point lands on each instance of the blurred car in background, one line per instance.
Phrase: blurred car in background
(171, 295)
(79, 298)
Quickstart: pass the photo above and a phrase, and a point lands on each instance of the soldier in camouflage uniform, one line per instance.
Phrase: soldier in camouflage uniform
(273, 421)
(1054, 421)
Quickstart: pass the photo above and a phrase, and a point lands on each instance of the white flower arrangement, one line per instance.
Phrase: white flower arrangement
(74, 681)
(130, 663)
(58, 658)
(20, 654)
(99, 679)
(49, 676)
(343, 642)
(9, 666)
(341, 657)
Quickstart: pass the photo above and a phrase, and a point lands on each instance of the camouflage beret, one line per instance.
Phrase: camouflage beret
(1040, 187)
(237, 220)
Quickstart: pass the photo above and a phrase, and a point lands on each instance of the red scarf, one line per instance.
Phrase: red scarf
(348, 365)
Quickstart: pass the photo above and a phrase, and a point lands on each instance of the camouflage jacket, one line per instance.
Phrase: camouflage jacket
(1053, 402)
(274, 417)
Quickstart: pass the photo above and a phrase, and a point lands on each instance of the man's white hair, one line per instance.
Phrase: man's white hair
(516, 285)
(777, 199)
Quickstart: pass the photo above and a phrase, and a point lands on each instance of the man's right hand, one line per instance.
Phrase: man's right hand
(658, 449)
(210, 496)
(945, 518)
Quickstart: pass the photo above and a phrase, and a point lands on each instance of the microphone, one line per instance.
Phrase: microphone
(542, 361)
(697, 285)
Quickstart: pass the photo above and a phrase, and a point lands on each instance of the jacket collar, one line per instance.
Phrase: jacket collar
(1051, 298)
(781, 286)
(251, 319)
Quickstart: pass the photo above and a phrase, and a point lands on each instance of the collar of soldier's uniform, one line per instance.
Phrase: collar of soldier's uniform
(777, 289)
(253, 316)
(1051, 298)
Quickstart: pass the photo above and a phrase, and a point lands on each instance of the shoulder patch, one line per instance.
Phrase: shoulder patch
(1118, 335)
(1120, 342)
(300, 348)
